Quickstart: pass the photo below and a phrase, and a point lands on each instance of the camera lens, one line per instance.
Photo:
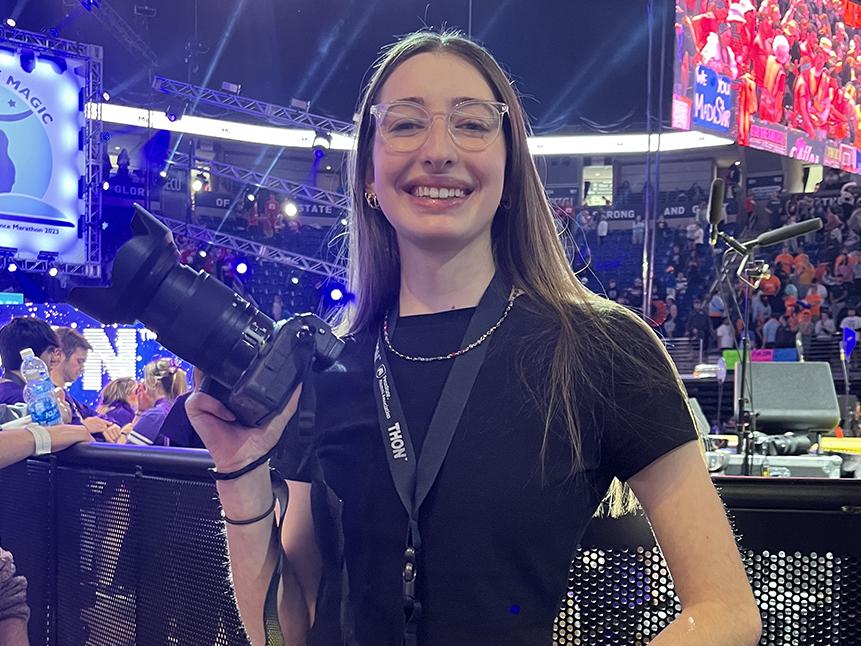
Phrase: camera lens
(193, 314)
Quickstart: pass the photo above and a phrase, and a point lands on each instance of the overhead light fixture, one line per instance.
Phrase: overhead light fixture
(290, 209)
(305, 138)
(624, 144)
(322, 142)
(197, 185)
(231, 88)
(10, 22)
(174, 112)
(28, 61)
(53, 272)
(294, 280)
(299, 104)
(12, 267)
(162, 173)
(106, 96)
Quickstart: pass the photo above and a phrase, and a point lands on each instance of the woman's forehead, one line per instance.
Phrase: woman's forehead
(434, 78)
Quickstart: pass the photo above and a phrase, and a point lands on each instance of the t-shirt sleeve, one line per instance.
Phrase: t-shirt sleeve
(649, 414)
(147, 428)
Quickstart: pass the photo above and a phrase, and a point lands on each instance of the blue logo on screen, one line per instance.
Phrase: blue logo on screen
(712, 100)
(26, 163)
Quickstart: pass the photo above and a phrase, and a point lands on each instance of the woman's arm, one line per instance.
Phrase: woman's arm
(254, 552)
(18, 444)
(691, 527)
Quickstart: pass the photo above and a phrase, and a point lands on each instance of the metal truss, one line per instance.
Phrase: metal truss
(255, 249)
(267, 111)
(63, 268)
(245, 176)
(91, 55)
(41, 42)
(124, 33)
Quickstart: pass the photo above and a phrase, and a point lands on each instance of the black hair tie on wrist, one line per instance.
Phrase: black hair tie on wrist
(232, 475)
(250, 521)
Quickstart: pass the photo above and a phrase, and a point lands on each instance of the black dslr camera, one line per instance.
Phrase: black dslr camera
(253, 364)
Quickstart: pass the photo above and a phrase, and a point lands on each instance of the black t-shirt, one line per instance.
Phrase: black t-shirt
(498, 530)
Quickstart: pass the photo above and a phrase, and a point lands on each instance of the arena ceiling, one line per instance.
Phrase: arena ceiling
(579, 64)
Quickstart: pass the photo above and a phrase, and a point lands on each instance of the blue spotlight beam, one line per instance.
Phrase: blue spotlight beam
(268, 112)
(265, 180)
(251, 249)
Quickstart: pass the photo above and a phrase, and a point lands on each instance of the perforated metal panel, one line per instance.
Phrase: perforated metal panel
(144, 563)
(626, 597)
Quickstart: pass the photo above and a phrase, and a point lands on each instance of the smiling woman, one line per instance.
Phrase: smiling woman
(487, 401)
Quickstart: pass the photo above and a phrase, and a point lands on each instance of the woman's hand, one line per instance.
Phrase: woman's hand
(114, 434)
(63, 405)
(97, 425)
(232, 445)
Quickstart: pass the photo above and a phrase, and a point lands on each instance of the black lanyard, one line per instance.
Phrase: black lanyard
(413, 478)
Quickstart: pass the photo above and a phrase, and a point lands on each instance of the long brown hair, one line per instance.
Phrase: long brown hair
(526, 248)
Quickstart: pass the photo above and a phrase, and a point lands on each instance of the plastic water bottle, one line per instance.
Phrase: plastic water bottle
(39, 391)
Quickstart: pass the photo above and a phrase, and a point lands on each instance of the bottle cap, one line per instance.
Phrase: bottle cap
(26, 353)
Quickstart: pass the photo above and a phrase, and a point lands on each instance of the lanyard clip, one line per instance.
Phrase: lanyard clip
(409, 575)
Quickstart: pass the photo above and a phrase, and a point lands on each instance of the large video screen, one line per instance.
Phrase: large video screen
(777, 75)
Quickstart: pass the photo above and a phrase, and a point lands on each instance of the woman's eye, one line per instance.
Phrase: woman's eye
(405, 126)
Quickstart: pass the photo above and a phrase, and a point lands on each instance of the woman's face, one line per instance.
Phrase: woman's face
(438, 81)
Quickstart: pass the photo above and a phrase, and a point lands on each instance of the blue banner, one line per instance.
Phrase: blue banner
(712, 100)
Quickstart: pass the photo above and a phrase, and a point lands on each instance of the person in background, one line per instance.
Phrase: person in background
(277, 307)
(603, 228)
(769, 331)
(176, 428)
(19, 333)
(164, 381)
(638, 231)
(74, 349)
(825, 327)
(725, 335)
(851, 320)
(118, 401)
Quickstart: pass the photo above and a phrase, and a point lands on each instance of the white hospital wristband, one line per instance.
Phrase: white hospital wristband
(42, 437)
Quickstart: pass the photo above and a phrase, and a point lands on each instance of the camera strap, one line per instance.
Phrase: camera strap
(412, 477)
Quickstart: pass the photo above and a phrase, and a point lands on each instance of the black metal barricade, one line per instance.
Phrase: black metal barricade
(124, 546)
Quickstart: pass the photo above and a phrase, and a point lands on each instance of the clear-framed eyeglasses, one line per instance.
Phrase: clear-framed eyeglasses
(405, 125)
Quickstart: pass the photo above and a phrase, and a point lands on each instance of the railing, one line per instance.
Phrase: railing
(124, 546)
(685, 353)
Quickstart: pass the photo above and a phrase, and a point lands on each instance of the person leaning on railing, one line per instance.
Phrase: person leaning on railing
(18, 444)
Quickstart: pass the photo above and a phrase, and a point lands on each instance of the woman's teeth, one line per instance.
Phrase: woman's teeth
(437, 193)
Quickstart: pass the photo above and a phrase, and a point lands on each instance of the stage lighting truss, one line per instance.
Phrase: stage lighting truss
(91, 71)
(254, 250)
(299, 191)
(268, 112)
(122, 31)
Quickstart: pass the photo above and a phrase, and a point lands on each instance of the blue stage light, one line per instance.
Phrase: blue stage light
(336, 294)
(241, 268)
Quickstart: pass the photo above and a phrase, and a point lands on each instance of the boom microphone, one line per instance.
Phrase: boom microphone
(716, 196)
(788, 232)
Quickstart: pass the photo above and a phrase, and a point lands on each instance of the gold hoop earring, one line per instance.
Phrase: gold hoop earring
(371, 199)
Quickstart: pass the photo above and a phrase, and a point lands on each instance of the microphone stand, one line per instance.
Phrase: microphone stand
(746, 418)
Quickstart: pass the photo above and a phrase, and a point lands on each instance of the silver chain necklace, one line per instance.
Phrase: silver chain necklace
(453, 355)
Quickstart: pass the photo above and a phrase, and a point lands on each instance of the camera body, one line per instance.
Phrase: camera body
(252, 364)
(280, 366)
